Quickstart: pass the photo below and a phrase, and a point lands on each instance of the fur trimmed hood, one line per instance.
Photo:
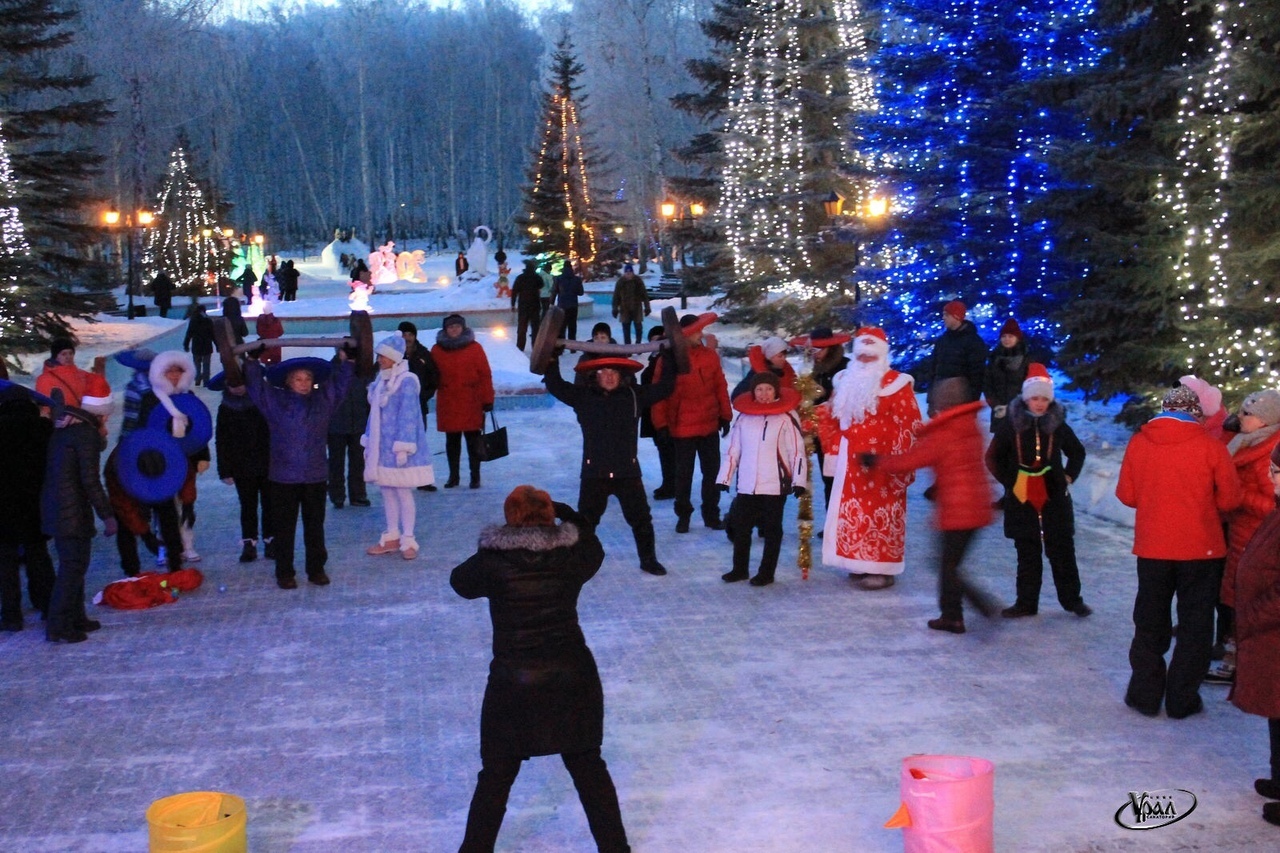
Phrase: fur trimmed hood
(1020, 418)
(162, 362)
(501, 537)
(467, 337)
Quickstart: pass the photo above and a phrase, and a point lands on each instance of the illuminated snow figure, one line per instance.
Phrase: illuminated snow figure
(409, 265)
(478, 254)
(359, 297)
(382, 264)
(343, 245)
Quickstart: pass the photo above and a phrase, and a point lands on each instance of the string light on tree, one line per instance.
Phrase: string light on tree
(14, 250)
(188, 244)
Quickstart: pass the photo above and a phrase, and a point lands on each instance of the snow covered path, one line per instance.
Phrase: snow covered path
(738, 719)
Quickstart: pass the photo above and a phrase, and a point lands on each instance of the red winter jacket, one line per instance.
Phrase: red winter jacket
(67, 378)
(1257, 500)
(1181, 481)
(1257, 625)
(269, 326)
(466, 386)
(952, 445)
(701, 399)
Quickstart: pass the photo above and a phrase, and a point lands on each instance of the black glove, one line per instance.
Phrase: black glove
(564, 512)
(798, 491)
(724, 487)
(867, 460)
(487, 407)
(724, 427)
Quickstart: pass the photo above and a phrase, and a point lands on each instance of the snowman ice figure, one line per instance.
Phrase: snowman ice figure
(358, 300)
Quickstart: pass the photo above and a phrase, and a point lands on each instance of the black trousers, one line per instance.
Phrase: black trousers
(453, 453)
(951, 585)
(666, 447)
(527, 319)
(746, 513)
(346, 467)
(827, 482)
(593, 498)
(706, 450)
(287, 500)
(1273, 730)
(202, 367)
(66, 605)
(1194, 584)
(571, 322)
(630, 322)
(170, 524)
(255, 492)
(40, 578)
(1060, 548)
(595, 790)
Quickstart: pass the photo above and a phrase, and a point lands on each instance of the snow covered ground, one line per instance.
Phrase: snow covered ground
(738, 719)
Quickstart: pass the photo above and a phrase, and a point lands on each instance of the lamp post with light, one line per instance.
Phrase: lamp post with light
(854, 227)
(131, 225)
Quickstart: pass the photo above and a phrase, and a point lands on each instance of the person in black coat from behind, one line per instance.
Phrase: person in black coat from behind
(958, 352)
(243, 441)
(544, 695)
(568, 287)
(24, 435)
(162, 291)
(346, 453)
(526, 301)
(199, 342)
(288, 277)
(231, 311)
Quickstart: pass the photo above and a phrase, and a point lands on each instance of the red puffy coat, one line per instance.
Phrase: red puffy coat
(1181, 481)
(269, 326)
(952, 445)
(701, 399)
(1257, 597)
(67, 378)
(466, 387)
(1257, 500)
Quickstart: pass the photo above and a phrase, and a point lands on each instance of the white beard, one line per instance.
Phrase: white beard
(858, 391)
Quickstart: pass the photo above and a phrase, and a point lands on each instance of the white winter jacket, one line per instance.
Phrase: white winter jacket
(763, 450)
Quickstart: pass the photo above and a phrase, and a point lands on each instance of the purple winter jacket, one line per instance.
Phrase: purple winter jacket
(299, 424)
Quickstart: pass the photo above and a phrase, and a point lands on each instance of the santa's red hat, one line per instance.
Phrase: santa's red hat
(1038, 382)
(871, 339)
(97, 398)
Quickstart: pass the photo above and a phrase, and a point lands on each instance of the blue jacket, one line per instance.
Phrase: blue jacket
(395, 444)
(299, 424)
(568, 289)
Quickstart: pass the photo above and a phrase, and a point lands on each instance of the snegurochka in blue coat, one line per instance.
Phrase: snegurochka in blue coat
(298, 421)
(396, 456)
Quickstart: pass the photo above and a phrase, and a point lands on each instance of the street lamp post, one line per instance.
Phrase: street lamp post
(688, 214)
(133, 226)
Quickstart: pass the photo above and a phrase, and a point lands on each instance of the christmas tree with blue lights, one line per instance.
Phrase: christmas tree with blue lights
(959, 151)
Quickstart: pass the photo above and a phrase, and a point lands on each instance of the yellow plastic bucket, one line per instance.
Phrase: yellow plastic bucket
(198, 822)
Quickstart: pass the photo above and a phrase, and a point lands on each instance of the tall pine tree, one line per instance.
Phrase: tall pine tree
(961, 154)
(49, 284)
(564, 218)
(787, 145)
(185, 242)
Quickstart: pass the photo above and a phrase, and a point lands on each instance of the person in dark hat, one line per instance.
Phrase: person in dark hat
(1006, 371)
(199, 342)
(61, 374)
(600, 334)
(568, 288)
(544, 695)
(162, 292)
(242, 440)
(696, 415)
(231, 312)
(526, 302)
(959, 351)
(608, 406)
(466, 394)
(24, 435)
(298, 420)
(460, 265)
(346, 454)
(70, 496)
(1181, 481)
(829, 359)
(630, 303)
(766, 455)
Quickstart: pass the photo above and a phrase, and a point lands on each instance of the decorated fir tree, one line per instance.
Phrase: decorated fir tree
(185, 243)
(960, 151)
(564, 218)
(787, 146)
(46, 277)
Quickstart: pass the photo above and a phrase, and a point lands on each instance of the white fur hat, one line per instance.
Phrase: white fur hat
(392, 347)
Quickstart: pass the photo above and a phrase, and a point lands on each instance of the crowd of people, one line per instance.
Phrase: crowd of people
(298, 432)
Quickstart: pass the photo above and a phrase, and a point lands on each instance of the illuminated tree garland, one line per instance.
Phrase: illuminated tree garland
(786, 136)
(186, 243)
(560, 191)
(13, 246)
(1219, 348)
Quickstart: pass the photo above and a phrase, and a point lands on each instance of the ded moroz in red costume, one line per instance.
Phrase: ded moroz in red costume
(873, 410)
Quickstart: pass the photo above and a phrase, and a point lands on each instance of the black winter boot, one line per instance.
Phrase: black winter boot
(249, 552)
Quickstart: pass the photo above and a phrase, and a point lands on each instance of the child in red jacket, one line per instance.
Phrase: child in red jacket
(951, 444)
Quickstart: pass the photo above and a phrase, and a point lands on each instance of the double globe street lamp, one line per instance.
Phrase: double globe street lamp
(132, 225)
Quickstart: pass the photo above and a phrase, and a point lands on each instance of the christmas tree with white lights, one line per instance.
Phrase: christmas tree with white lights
(563, 218)
(15, 252)
(185, 241)
(787, 148)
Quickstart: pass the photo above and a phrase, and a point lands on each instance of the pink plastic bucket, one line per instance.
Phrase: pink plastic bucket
(948, 804)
